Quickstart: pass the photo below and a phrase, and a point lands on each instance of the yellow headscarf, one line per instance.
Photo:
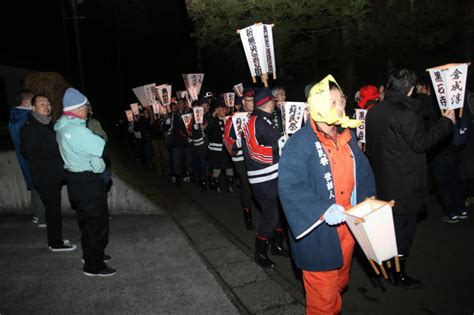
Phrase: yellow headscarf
(319, 102)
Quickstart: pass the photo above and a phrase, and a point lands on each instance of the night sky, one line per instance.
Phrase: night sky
(127, 43)
(124, 44)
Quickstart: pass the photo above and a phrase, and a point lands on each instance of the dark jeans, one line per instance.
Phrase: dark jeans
(267, 197)
(405, 227)
(199, 156)
(88, 198)
(450, 189)
(182, 161)
(49, 190)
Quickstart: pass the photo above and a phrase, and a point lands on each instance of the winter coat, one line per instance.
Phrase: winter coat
(397, 142)
(80, 149)
(260, 146)
(18, 117)
(305, 194)
(217, 154)
(39, 147)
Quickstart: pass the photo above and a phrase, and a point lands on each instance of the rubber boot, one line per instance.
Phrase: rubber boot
(230, 184)
(248, 219)
(401, 279)
(261, 256)
(216, 184)
(277, 245)
(204, 184)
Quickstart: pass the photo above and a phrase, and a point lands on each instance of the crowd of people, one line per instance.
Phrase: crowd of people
(294, 181)
(69, 151)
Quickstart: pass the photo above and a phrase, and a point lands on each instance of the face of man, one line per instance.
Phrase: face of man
(248, 103)
(206, 107)
(221, 112)
(338, 101)
(42, 106)
(280, 96)
(181, 105)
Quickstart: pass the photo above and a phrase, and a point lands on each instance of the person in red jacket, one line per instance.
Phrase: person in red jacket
(261, 154)
(233, 144)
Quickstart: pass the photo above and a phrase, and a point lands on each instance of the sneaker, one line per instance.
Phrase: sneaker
(63, 248)
(187, 179)
(107, 258)
(463, 214)
(452, 218)
(35, 219)
(42, 225)
(173, 179)
(106, 272)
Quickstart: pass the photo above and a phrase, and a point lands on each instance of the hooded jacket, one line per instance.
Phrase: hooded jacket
(80, 149)
(18, 117)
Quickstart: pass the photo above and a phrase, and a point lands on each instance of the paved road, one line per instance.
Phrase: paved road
(159, 272)
(441, 257)
(216, 239)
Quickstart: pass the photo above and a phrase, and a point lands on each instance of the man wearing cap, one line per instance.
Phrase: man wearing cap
(218, 157)
(261, 153)
(323, 172)
(279, 95)
(82, 152)
(233, 144)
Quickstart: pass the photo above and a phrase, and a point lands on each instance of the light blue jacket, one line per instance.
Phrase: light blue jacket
(80, 148)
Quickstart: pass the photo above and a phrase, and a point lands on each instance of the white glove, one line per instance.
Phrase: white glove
(334, 215)
(281, 143)
(238, 142)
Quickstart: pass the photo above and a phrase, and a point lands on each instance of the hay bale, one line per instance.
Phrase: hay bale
(51, 84)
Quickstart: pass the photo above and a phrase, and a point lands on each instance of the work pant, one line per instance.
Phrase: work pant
(405, 227)
(245, 190)
(199, 156)
(266, 194)
(37, 206)
(88, 198)
(49, 190)
(157, 147)
(323, 288)
(216, 173)
(147, 148)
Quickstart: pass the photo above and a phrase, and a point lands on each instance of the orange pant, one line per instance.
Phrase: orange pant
(323, 287)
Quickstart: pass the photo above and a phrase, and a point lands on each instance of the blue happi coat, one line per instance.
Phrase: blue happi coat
(305, 197)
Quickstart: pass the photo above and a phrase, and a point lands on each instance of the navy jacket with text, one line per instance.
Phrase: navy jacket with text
(304, 197)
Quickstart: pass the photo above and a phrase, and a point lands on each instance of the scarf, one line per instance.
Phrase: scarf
(45, 120)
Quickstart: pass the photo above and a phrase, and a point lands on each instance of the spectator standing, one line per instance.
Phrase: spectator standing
(18, 117)
(83, 152)
(39, 147)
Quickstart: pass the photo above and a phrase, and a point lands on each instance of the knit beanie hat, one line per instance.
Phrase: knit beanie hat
(73, 99)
